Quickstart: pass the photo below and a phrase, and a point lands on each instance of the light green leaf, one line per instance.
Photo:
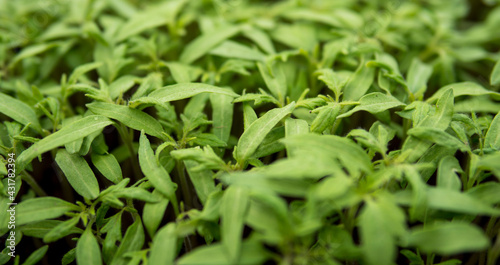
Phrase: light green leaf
(68, 134)
(359, 82)
(222, 115)
(19, 111)
(492, 139)
(42, 228)
(154, 16)
(418, 75)
(132, 241)
(43, 208)
(495, 74)
(61, 230)
(325, 119)
(377, 239)
(136, 193)
(234, 207)
(253, 253)
(155, 173)
(121, 85)
(108, 166)
(257, 131)
(164, 247)
(181, 91)
(36, 256)
(133, 118)
(31, 51)
(78, 173)
(448, 238)
(249, 116)
(202, 180)
(437, 136)
(260, 38)
(439, 120)
(183, 73)
(153, 213)
(447, 173)
(295, 127)
(204, 43)
(490, 162)
(231, 49)
(450, 200)
(275, 79)
(87, 249)
(374, 103)
(462, 89)
(81, 70)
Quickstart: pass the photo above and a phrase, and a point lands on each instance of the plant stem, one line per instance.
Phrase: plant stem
(25, 176)
(127, 140)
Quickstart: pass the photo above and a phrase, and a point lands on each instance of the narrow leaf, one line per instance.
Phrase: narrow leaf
(78, 173)
(108, 166)
(257, 131)
(43, 208)
(68, 134)
(164, 248)
(204, 43)
(19, 111)
(133, 118)
(87, 249)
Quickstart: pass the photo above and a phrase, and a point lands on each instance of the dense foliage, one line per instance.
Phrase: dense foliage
(250, 132)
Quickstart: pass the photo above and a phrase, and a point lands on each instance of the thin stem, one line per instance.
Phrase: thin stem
(25, 176)
(127, 140)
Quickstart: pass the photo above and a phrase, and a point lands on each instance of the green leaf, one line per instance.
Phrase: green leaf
(68, 134)
(155, 173)
(233, 211)
(108, 166)
(78, 173)
(87, 249)
(486, 192)
(181, 91)
(418, 75)
(61, 230)
(81, 70)
(19, 111)
(437, 136)
(492, 139)
(136, 193)
(31, 51)
(132, 118)
(253, 253)
(132, 241)
(447, 173)
(275, 79)
(222, 115)
(257, 131)
(448, 238)
(164, 247)
(260, 38)
(377, 231)
(359, 82)
(153, 213)
(325, 119)
(374, 103)
(205, 42)
(43, 208)
(463, 89)
(249, 116)
(183, 73)
(202, 180)
(231, 49)
(295, 127)
(454, 201)
(36, 256)
(155, 16)
(490, 162)
(495, 74)
(439, 120)
(42, 228)
(121, 85)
